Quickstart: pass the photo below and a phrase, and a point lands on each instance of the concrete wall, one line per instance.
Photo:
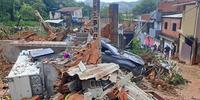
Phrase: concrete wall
(50, 75)
(188, 29)
(198, 26)
(12, 52)
(113, 15)
(188, 20)
(78, 13)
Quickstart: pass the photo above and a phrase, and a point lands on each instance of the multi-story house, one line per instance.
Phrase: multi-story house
(75, 12)
(169, 33)
(190, 33)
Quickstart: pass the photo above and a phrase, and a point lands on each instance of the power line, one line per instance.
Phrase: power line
(197, 1)
(141, 28)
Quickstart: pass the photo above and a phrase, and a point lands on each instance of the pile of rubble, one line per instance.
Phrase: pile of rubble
(52, 79)
(161, 73)
(27, 35)
(79, 74)
(3, 33)
(3, 37)
(32, 36)
(53, 34)
(75, 74)
(4, 70)
(5, 66)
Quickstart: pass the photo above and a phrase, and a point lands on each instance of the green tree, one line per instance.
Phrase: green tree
(14, 10)
(41, 7)
(121, 17)
(87, 10)
(104, 12)
(7, 9)
(26, 12)
(146, 6)
(70, 3)
(36, 5)
(136, 48)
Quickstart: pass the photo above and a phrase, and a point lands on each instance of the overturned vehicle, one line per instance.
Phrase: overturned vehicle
(126, 60)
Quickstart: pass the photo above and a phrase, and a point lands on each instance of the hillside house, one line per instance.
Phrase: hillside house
(142, 30)
(170, 26)
(75, 12)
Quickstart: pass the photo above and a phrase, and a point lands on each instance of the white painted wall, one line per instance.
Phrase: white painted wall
(78, 13)
(57, 15)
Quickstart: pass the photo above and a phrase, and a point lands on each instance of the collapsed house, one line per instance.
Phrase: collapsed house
(77, 72)
(35, 75)
(74, 71)
(28, 77)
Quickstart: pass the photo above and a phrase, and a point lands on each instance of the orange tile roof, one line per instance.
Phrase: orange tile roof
(168, 5)
(145, 17)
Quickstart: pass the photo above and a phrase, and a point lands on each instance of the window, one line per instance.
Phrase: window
(166, 25)
(174, 27)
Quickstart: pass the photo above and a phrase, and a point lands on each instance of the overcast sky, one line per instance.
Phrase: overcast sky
(113, 0)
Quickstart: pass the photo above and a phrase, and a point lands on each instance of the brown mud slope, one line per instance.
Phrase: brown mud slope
(28, 36)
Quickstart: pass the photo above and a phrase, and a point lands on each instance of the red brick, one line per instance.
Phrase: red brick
(170, 22)
(169, 6)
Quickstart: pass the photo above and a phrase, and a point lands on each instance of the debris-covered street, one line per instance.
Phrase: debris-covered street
(189, 91)
(99, 50)
(192, 89)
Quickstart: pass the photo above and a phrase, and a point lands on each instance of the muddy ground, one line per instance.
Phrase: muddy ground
(190, 91)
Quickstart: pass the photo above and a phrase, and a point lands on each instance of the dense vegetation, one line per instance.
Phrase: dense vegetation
(14, 11)
(145, 6)
(136, 47)
(11, 11)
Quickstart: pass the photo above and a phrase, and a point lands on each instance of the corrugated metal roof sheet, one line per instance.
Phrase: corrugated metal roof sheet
(94, 71)
(41, 52)
(55, 21)
(139, 20)
(173, 16)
